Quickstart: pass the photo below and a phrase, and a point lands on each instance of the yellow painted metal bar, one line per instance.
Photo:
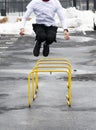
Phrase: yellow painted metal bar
(51, 59)
(69, 82)
(54, 62)
(33, 87)
(53, 67)
(34, 90)
(69, 67)
(51, 70)
(39, 65)
(66, 67)
(34, 82)
(69, 89)
(29, 100)
(36, 79)
(64, 61)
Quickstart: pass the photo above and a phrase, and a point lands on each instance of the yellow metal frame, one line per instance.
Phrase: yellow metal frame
(49, 65)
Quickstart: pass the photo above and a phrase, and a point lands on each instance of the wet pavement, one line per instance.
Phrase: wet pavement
(49, 111)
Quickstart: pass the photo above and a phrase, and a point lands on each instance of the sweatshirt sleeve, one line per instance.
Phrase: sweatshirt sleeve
(60, 13)
(27, 14)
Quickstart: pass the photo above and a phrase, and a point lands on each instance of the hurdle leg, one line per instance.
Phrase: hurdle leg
(36, 80)
(29, 100)
(33, 86)
(69, 90)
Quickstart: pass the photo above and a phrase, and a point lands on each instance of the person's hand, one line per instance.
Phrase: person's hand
(66, 34)
(22, 31)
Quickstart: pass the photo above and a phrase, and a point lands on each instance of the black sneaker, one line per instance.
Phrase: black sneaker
(45, 50)
(36, 50)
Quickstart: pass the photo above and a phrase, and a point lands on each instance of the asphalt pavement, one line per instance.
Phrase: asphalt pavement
(49, 111)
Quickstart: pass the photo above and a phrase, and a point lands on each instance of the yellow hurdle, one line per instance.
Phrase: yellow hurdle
(50, 65)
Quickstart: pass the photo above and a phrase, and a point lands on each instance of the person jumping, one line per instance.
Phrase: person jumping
(45, 27)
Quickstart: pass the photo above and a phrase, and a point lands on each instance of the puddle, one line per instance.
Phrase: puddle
(3, 95)
(79, 77)
(81, 39)
(13, 78)
(84, 77)
(5, 109)
(77, 38)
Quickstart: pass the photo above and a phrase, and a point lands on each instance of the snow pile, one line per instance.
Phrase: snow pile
(79, 20)
(73, 19)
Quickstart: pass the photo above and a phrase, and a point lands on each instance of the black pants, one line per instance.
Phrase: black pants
(44, 33)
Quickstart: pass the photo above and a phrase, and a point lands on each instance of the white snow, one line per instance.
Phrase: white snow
(77, 20)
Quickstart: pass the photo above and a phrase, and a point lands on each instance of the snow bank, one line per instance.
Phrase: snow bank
(80, 20)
